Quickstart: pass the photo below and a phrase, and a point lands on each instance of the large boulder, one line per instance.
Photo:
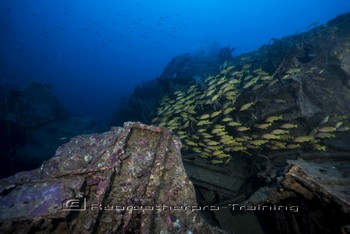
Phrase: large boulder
(127, 180)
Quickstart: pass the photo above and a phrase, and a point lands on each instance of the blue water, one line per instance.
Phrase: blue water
(95, 52)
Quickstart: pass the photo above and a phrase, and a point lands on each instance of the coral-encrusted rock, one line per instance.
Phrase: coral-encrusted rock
(129, 179)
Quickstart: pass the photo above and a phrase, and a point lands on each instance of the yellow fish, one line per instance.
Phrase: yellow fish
(212, 143)
(293, 146)
(301, 139)
(320, 147)
(270, 136)
(246, 106)
(272, 119)
(190, 143)
(289, 125)
(280, 132)
(204, 116)
(263, 126)
(234, 124)
(238, 148)
(226, 119)
(215, 161)
(327, 129)
(242, 129)
(214, 114)
(229, 110)
(203, 122)
(324, 135)
(258, 142)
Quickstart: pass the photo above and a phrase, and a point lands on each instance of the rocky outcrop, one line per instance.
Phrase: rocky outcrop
(30, 106)
(183, 69)
(33, 123)
(127, 180)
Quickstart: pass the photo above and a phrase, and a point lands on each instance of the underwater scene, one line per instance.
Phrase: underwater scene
(175, 116)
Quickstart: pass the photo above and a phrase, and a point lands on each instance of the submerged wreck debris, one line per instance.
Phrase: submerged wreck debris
(312, 192)
(265, 142)
(272, 94)
(284, 101)
(127, 180)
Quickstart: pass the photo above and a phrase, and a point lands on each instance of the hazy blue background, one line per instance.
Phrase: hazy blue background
(95, 52)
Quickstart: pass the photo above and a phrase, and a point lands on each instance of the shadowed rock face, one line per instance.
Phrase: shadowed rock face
(345, 66)
(30, 106)
(33, 124)
(129, 179)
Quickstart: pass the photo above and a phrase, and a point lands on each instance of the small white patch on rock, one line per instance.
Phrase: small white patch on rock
(87, 158)
(177, 224)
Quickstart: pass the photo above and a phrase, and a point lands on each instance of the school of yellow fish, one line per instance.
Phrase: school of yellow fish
(210, 122)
